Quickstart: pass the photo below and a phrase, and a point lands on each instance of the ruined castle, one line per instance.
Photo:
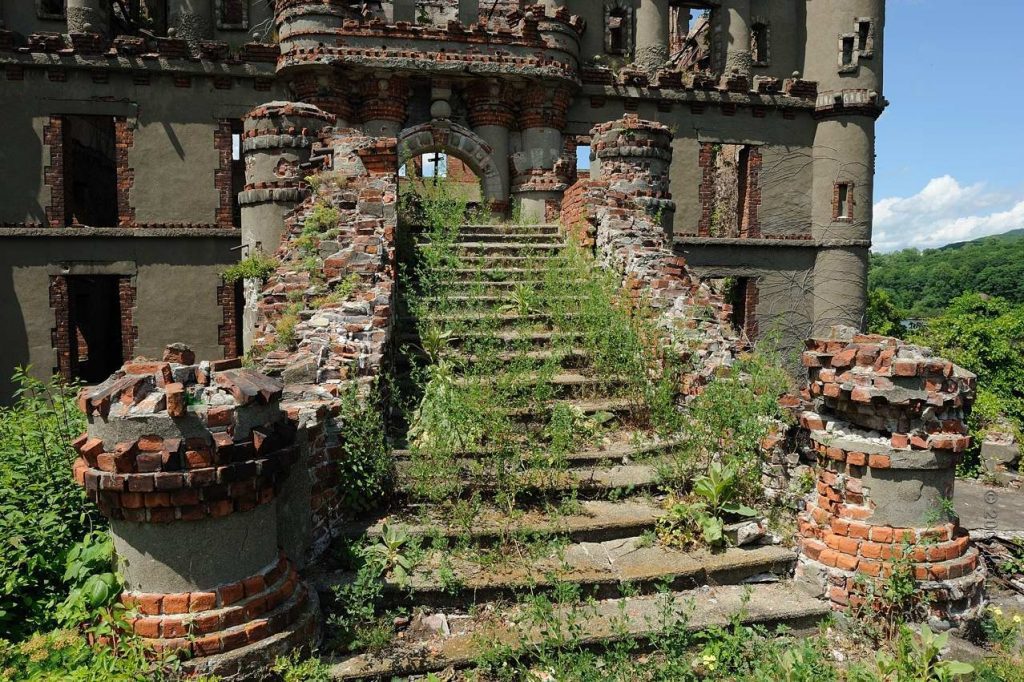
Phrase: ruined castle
(134, 173)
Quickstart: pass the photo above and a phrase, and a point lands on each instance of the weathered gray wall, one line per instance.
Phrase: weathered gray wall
(174, 157)
(176, 293)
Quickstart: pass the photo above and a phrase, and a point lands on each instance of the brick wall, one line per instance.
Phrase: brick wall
(222, 176)
(60, 334)
(124, 140)
(53, 174)
(129, 332)
(227, 333)
(577, 215)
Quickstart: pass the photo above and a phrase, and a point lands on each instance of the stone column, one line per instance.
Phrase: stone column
(634, 156)
(491, 115)
(277, 140)
(540, 171)
(887, 420)
(192, 19)
(843, 156)
(736, 15)
(186, 461)
(383, 106)
(652, 33)
(88, 16)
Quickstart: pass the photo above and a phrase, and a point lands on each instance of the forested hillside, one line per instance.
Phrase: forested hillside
(922, 283)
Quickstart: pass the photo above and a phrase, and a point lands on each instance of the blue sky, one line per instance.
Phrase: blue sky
(950, 152)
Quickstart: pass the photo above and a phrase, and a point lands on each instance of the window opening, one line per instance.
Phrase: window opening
(237, 172)
(90, 171)
(94, 307)
(847, 51)
(759, 43)
(863, 35)
(617, 31)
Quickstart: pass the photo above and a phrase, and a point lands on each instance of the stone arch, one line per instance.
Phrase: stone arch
(460, 142)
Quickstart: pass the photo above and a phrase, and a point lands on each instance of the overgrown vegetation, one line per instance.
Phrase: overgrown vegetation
(43, 512)
(257, 266)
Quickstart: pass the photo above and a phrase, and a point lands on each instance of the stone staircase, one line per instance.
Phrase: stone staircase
(586, 521)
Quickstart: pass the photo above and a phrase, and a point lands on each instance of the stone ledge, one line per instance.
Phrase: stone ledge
(120, 232)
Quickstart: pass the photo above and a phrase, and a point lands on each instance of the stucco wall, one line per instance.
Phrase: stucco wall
(176, 300)
(174, 157)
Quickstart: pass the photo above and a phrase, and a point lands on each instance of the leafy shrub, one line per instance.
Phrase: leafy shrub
(94, 585)
(366, 467)
(66, 656)
(43, 512)
(257, 266)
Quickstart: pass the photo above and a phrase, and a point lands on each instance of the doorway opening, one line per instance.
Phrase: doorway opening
(94, 310)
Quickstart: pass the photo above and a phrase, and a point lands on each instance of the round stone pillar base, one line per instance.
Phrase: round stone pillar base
(887, 424)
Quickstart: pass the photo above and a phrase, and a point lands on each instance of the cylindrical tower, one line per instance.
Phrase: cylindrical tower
(187, 460)
(192, 19)
(844, 57)
(277, 139)
(652, 32)
(88, 16)
(735, 15)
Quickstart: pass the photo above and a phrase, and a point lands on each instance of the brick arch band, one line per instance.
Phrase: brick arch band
(457, 141)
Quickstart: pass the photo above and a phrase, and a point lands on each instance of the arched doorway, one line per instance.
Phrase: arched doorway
(460, 143)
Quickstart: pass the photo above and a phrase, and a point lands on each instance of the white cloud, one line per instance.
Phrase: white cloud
(943, 212)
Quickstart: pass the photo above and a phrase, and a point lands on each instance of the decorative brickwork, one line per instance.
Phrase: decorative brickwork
(129, 332)
(750, 225)
(887, 422)
(124, 140)
(227, 332)
(53, 174)
(60, 334)
(222, 176)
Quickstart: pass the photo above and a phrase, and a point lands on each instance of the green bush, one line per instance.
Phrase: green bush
(257, 266)
(43, 512)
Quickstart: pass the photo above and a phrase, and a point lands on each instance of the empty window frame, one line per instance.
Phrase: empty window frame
(842, 201)
(742, 294)
(50, 9)
(618, 28)
(232, 15)
(237, 171)
(90, 171)
(865, 29)
(847, 56)
(435, 165)
(760, 46)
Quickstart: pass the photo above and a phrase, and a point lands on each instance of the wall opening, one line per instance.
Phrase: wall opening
(842, 201)
(583, 158)
(50, 9)
(742, 184)
(90, 171)
(237, 171)
(863, 35)
(94, 326)
(847, 55)
(617, 31)
(148, 15)
(690, 36)
(759, 43)
(741, 294)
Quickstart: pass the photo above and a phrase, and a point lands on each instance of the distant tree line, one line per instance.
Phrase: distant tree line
(921, 284)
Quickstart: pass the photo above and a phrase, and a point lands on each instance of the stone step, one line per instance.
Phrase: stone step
(510, 237)
(494, 319)
(616, 406)
(503, 275)
(477, 247)
(623, 452)
(509, 337)
(511, 228)
(448, 579)
(459, 642)
(482, 300)
(563, 385)
(596, 521)
(586, 482)
(538, 262)
(483, 285)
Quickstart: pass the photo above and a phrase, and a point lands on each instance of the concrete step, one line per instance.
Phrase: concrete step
(493, 319)
(514, 338)
(460, 642)
(520, 248)
(585, 482)
(509, 275)
(596, 521)
(454, 579)
(511, 228)
(615, 406)
(626, 451)
(565, 385)
(510, 237)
